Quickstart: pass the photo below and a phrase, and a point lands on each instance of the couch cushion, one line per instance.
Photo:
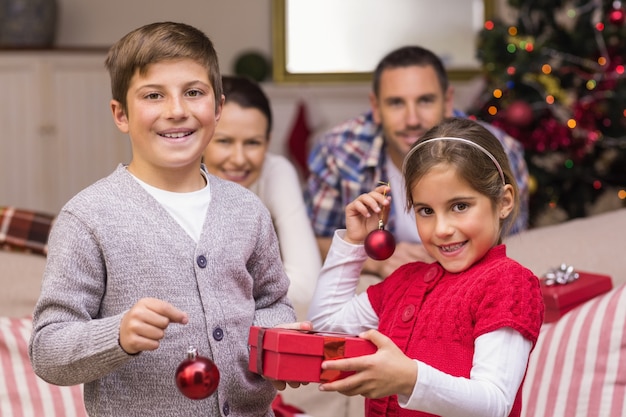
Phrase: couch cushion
(20, 275)
(579, 362)
(24, 230)
(22, 393)
(594, 244)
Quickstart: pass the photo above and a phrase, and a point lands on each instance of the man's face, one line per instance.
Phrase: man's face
(410, 101)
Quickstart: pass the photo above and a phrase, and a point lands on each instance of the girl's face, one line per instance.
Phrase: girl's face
(171, 116)
(456, 223)
(237, 150)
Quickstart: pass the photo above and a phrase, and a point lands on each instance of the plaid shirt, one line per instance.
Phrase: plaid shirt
(350, 160)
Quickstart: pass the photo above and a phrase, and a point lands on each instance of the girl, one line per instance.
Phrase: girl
(453, 336)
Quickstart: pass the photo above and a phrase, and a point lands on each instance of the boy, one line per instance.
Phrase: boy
(160, 255)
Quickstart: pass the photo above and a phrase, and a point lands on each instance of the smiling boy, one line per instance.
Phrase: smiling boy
(160, 255)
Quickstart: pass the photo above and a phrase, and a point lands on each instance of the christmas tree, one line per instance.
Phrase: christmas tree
(555, 80)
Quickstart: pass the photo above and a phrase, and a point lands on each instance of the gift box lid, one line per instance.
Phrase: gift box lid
(308, 342)
(585, 287)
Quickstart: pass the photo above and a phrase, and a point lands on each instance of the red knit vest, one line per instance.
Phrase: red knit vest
(435, 316)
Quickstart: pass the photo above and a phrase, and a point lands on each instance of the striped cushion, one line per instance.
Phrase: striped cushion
(22, 393)
(578, 367)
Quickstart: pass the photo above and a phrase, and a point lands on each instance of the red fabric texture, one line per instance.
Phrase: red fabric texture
(298, 141)
(285, 410)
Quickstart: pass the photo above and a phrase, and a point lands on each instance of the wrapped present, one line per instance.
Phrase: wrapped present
(564, 288)
(296, 355)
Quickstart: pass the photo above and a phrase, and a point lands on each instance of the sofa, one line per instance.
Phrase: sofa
(577, 367)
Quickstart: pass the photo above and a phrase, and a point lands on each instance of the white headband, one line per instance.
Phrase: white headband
(483, 150)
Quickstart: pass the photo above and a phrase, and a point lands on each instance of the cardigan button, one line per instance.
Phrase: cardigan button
(218, 334)
(226, 408)
(433, 272)
(408, 313)
(201, 261)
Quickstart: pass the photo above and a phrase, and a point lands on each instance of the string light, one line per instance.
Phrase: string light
(577, 114)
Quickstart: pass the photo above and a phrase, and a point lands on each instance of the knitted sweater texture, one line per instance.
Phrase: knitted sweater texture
(113, 244)
(435, 316)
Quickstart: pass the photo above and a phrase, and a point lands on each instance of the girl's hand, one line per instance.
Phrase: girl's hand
(384, 373)
(364, 213)
(300, 325)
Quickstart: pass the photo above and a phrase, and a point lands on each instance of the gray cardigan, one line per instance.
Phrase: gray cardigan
(113, 244)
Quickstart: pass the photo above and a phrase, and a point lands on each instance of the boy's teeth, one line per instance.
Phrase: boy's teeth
(175, 135)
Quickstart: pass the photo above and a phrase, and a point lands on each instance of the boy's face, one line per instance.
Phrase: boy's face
(170, 118)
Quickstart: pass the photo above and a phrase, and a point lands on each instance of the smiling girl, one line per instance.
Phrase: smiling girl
(454, 336)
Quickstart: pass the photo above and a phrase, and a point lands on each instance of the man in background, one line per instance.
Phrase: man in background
(410, 94)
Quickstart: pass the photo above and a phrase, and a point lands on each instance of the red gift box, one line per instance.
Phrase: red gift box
(295, 355)
(561, 298)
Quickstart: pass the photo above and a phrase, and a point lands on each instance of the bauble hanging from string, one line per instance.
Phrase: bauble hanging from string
(380, 243)
(197, 377)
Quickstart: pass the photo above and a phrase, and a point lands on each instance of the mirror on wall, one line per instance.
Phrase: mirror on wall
(330, 40)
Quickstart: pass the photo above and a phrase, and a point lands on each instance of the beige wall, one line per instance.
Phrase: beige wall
(233, 25)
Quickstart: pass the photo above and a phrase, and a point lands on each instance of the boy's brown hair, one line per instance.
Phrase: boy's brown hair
(157, 42)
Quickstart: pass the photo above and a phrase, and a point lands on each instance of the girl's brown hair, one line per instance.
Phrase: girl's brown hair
(471, 163)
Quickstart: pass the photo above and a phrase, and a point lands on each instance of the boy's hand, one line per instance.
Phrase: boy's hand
(384, 373)
(363, 214)
(143, 326)
(300, 325)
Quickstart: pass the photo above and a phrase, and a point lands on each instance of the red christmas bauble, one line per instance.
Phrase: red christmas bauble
(380, 244)
(197, 377)
(519, 113)
(617, 16)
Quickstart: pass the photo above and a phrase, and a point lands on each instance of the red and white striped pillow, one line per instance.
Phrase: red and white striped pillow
(22, 393)
(578, 367)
